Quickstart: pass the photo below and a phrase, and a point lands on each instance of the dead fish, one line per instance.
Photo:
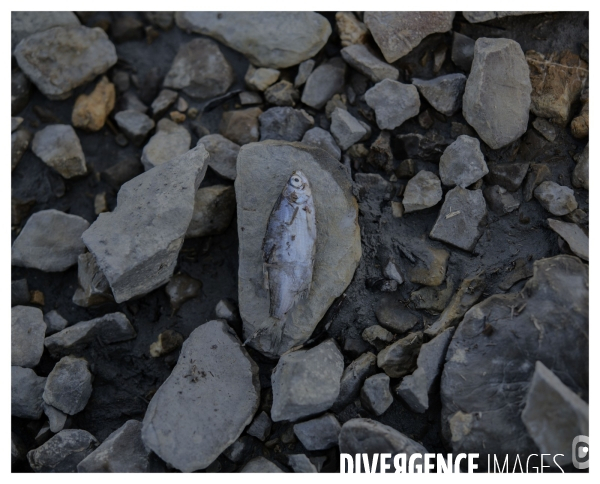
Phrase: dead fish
(289, 246)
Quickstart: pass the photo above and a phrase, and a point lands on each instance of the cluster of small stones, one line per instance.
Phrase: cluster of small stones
(360, 113)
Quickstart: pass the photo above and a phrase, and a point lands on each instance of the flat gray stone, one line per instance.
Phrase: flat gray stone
(57, 420)
(61, 59)
(422, 191)
(498, 92)
(550, 316)
(400, 358)
(207, 401)
(304, 70)
(554, 415)
(319, 433)
(579, 243)
(284, 123)
(267, 39)
(135, 125)
(108, 329)
(325, 81)
(260, 427)
(26, 389)
(306, 382)
(397, 33)
(260, 78)
(223, 154)
(346, 129)
(58, 146)
(137, 244)
(462, 162)
(62, 452)
(301, 463)
(462, 51)
(415, 388)
(377, 336)
(27, 329)
(375, 394)
(322, 139)
(24, 24)
(361, 58)
(581, 173)
(200, 70)
(269, 165)
(260, 465)
(444, 93)
(94, 288)
(54, 322)
(366, 436)
(461, 218)
(171, 140)
(353, 378)
(19, 142)
(214, 208)
(393, 103)
(557, 199)
(507, 175)
(164, 100)
(69, 385)
(122, 451)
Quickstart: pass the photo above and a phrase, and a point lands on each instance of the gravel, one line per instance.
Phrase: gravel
(170, 141)
(462, 163)
(69, 385)
(444, 93)
(346, 129)
(422, 191)
(58, 146)
(135, 125)
(325, 81)
(284, 123)
(393, 103)
(557, 199)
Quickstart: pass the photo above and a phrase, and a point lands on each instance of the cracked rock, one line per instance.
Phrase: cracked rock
(61, 59)
(461, 219)
(200, 70)
(415, 388)
(375, 395)
(393, 103)
(58, 146)
(108, 329)
(397, 33)
(498, 92)
(306, 382)
(152, 216)
(27, 329)
(212, 392)
(62, 452)
(170, 141)
(444, 93)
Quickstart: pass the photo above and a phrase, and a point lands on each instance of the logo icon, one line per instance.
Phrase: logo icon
(581, 452)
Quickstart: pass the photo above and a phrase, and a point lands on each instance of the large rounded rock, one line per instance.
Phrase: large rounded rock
(262, 171)
(62, 58)
(498, 92)
(268, 39)
(492, 358)
(203, 407)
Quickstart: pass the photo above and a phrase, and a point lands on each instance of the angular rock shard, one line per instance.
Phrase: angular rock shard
(498, 92)
(136, 245)
(62, 58)
(269, 165)
(207, 401)
(578, 241)
(27, 329)
(62, 452)
(268, 39)
(444, 93)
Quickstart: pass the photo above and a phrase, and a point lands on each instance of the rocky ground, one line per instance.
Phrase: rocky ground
(448, 309)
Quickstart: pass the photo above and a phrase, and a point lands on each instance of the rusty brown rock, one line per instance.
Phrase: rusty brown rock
(241, 127)
(91, 110)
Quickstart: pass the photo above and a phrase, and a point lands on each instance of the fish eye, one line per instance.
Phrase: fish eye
(296, 182)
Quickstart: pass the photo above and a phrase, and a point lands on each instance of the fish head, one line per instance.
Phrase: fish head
(298, 190)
